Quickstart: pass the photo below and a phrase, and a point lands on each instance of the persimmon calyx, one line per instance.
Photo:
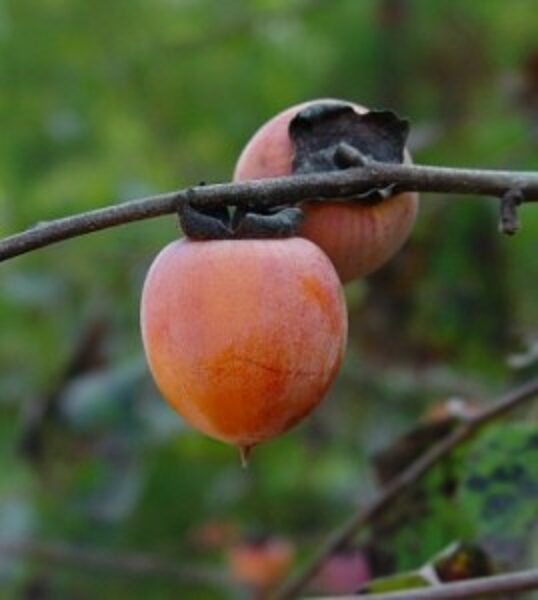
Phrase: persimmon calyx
(331, 136)
(203, 223)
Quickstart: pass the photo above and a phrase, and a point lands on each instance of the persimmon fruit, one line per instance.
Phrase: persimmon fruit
(243, 337)
(357, 237)
(261, 564)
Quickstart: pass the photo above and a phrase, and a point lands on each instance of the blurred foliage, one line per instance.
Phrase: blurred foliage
(484, 493)
(105, 101)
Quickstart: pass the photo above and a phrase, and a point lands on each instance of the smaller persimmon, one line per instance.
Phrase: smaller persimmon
(358, 237)
(260, 564)
(214, 534)
(243, 337)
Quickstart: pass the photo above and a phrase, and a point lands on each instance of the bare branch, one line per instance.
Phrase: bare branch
(509, 583)
(344, 185)
(139, 565)
(403, 482)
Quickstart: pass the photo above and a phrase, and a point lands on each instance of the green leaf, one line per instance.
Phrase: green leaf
(499, 488)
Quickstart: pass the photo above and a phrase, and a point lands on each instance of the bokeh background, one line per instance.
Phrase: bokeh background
(105, 101)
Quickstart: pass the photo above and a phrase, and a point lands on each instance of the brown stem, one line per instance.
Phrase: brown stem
(402, 483)
(343, 185)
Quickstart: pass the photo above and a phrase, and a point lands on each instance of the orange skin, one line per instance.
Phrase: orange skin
(214, 535)
(358, 238)
(243, 337)
(261, 565)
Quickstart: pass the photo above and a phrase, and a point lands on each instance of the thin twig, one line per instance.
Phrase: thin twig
(497, 585)
(345, 184)
(140, 565)
(400, 484)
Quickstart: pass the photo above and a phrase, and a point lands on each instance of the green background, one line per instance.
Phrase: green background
(101, 102)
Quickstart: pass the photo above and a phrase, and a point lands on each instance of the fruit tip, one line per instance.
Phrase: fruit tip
(244, 453)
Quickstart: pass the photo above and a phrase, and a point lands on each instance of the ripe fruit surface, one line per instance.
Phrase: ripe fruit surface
(243, 337)
(261, 565)
(358, 238)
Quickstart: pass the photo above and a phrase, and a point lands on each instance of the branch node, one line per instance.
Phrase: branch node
(509, 220)
(346, 156)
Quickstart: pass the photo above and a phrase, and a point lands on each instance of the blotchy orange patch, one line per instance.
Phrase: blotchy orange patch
(316, 292)
(250, 389)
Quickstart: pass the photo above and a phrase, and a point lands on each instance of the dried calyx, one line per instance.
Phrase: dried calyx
(224, 223)
(331, 136)
(327, 136)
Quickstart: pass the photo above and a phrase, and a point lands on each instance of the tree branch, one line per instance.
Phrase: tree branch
(140, 565)
(273, 192)
(403, 482)
(510, 583)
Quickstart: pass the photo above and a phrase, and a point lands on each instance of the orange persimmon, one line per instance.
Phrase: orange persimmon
(261, 564)
(243, 337)
(357, 237)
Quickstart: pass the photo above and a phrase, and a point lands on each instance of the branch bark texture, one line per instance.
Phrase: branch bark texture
(344, 185)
